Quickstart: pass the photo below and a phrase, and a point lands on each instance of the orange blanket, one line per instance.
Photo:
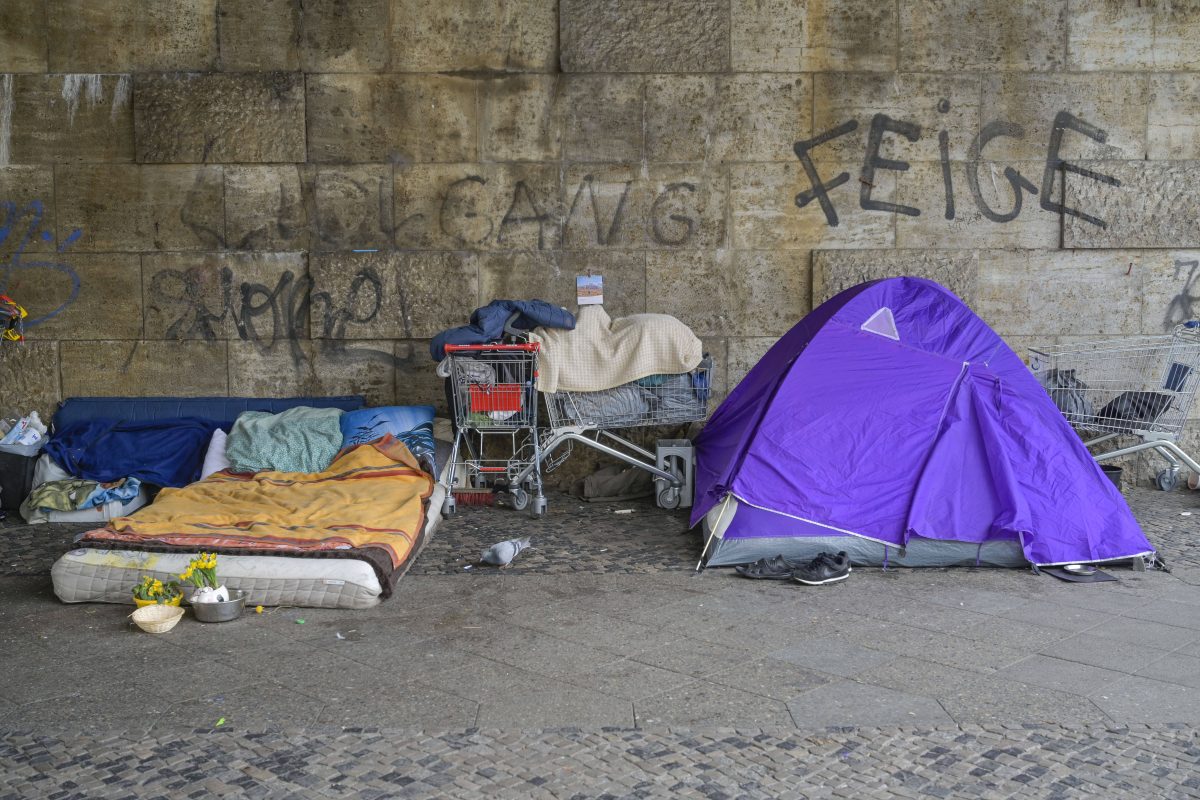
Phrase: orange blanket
(371, 496)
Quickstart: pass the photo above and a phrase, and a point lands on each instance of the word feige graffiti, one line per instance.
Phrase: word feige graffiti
(15, 265)
(882, 124)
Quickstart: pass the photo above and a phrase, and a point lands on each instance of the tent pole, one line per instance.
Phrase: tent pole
(712, 533)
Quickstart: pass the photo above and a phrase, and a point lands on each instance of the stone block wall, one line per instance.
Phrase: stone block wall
(273, 197)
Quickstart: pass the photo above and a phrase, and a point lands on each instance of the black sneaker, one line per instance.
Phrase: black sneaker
(825, 568)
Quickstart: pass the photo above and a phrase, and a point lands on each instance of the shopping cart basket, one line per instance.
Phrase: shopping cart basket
(1140, 387)
(496, 412)
(591, 417)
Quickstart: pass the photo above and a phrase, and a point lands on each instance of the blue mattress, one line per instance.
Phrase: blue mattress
(223, 410)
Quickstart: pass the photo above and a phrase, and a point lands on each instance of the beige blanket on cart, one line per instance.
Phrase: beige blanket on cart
(601, 353)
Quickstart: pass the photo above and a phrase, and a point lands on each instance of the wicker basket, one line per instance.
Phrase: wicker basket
(157, 618)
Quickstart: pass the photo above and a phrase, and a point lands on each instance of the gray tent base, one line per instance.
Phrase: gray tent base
(866, 553)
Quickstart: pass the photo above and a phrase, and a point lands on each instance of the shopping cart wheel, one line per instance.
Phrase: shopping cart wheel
(519, 497)
(1168, 479)
(537, 507)
(669, 498)
(448, 507)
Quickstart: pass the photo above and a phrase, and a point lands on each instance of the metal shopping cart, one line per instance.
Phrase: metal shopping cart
(1140, 387)
(591, 417)
(496, 414)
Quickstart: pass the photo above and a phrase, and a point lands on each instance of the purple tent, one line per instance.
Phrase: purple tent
(893, 423)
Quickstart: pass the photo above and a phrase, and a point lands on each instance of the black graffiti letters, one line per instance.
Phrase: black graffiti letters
(820, 191)
(1018, 181)
(1064, 121)
(880, 124)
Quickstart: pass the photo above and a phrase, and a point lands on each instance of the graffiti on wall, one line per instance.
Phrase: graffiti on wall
(21, 227)
(882, 125)
(269, 315)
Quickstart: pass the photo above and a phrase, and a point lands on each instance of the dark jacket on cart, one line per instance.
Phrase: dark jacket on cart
(488, 324)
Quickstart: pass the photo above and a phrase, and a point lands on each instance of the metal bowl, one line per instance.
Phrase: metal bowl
(223, 611)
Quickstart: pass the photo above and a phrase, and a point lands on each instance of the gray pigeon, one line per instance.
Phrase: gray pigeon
(501, 554)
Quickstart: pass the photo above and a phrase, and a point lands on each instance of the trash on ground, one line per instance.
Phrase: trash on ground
(299, 622)
(623, 511)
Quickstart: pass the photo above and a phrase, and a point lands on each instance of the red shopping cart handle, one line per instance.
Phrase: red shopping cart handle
(532, 347)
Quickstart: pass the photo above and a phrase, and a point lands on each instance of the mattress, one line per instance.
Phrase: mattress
(90, 575)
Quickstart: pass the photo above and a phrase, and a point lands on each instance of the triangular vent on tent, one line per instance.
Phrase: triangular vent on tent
(883, 323)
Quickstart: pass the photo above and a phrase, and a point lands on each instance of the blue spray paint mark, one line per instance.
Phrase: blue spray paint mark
(15, 265)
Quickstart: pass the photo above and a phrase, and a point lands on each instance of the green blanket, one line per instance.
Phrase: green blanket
(300, 439)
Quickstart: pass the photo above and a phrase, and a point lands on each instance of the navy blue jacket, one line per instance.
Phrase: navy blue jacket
(487, 323)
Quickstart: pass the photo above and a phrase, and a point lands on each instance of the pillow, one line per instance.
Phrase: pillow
(301, 439)
(369, 424)
(215, 459)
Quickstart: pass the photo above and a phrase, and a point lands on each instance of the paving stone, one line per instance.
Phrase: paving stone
(1063, 676)
(86, 36)
(402, 118)
(1143, 632)
(499, 35)
(833, 656)
(247, 708)
(1086, 648)
(1138, 699)
(219, 117)
(534, 651)
(849, 703)
(259, 35)
(555, 703)
(703, 704)
(1173, 668)
(629, 679)
(69, 118)
(694, 657)
(1167, 612)
(770, 678)
(625, 36)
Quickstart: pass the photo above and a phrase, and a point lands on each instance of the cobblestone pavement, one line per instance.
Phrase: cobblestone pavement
(598, 666)
(969, 761)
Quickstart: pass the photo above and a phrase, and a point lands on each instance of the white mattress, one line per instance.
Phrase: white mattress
(89, 575)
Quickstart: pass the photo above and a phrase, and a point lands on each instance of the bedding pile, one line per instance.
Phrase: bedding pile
(369, 504)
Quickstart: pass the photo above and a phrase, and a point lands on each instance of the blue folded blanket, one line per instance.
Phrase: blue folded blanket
(162, 452)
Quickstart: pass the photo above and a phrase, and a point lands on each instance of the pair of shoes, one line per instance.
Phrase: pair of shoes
(825, 568)
(767, 569)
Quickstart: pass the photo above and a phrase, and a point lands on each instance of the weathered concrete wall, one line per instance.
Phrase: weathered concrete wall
(276, 197)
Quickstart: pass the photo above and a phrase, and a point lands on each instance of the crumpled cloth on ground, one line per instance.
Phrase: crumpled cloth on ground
(121, 491)
(614, 482)
(601, 353)
(65, 495)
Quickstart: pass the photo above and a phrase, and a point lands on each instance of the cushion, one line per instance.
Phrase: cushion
(215, 459)
(298, 440)
(369, 424)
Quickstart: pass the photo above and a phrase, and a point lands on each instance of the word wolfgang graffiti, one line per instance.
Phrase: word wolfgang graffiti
(265, 314)
(882, 124)
(16, 266)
